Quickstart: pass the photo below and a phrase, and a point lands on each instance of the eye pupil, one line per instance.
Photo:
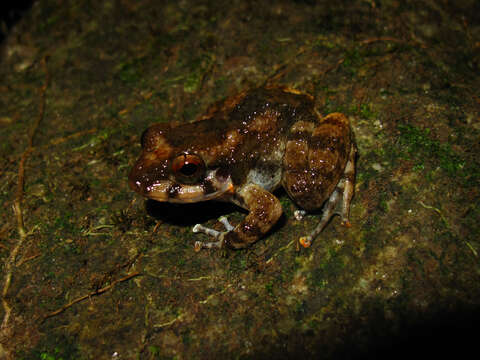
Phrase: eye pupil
(188, 169)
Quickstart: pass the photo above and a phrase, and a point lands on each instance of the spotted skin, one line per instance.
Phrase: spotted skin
(244, 148)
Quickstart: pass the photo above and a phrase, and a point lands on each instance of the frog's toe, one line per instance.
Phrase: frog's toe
(305, 241)
(199, 228)
(218, 235)
(224, 221)
(346, 223)
(299, 214)
(199, 245)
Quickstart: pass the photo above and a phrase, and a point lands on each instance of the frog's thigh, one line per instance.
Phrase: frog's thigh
(315, 158)
(264, 211)
(295, 179)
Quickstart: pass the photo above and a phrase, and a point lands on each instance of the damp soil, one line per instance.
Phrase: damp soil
(96, 272)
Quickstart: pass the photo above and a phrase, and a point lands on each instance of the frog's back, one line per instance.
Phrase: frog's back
(286, 104)
(265, 116)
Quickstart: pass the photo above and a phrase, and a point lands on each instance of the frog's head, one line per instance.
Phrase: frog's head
(163, 173)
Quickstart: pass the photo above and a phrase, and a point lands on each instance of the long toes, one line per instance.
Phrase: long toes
(199, 245)
(218, 235)
(224, 221)
(199, 228)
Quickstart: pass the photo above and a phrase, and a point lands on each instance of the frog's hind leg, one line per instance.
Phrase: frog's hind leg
(348, 183)
(338, 202)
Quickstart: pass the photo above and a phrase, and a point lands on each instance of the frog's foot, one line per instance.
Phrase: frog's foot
(332, 206)
(299, 214)
(218, 235)
(337, 203)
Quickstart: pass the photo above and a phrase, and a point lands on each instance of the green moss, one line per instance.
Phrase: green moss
(383, 202)
(353, 60)
(269, 288)
(154, 350)
(63, 222)
(331, 267)
(98, 138)
(56, 347)
(333, 106)
(197, 69)
(129, 72)
(321, 43)
(287, 206)
(192, 82)
(366, 111)
(417, 145)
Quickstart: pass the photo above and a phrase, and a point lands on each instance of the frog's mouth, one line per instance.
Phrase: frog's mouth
(210, 189)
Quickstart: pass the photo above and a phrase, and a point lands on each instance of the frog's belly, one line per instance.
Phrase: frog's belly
(268, 169)
(268, 175)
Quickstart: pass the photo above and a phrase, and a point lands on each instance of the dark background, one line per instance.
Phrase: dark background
(10, 13)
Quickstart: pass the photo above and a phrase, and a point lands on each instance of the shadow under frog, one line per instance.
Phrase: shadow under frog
(188, 214)
(243, 149)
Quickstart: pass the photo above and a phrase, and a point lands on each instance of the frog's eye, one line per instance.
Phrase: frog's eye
(188, 168)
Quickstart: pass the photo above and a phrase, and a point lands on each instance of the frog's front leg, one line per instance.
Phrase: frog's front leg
(219, 235)
(264, 211)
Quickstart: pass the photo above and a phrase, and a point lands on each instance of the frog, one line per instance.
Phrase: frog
(244, 148)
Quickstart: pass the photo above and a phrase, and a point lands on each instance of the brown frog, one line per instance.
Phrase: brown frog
(243, 149)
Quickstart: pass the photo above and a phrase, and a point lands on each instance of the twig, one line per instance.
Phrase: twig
(282, 68)
(384, 38)
(89, 295)
(211, 296)
(391, 39)
(71, 136)
(283, 248)
(23, 261)
(168, 323)
(333, 67)
(17, 204)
